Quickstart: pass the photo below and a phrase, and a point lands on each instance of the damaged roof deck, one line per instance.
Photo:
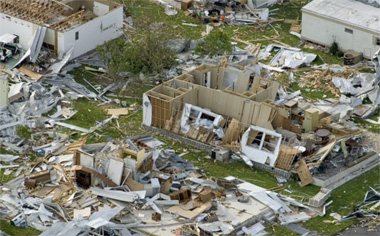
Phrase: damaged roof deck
(60, 26)
(56, 15)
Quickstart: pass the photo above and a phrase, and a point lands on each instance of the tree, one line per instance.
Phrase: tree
(216, 43)
(146, 51)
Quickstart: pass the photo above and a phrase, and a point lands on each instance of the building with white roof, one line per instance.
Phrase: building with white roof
(353, 24)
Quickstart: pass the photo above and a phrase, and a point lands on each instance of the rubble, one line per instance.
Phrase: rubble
(233, 107)
(232, 12)
(88, 192)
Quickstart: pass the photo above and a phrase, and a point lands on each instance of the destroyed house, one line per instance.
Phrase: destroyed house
(221, 109)
(353, 24)
(61, 25)
(209, 92)
(215, 106)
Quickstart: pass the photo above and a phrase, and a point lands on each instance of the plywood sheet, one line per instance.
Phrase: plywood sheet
(118, 112)
(43, 192)
(30, 73)
(232, 132)
(190, 214)
(304, 173)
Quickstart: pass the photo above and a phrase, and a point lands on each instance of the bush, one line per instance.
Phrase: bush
(216, 43)
(146, 52)
(334, 49)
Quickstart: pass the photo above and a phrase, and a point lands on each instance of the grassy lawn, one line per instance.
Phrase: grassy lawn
(6, 227)
(279, 230)
(345, 198)
(147, 10)
(238, 169)
(311, 93)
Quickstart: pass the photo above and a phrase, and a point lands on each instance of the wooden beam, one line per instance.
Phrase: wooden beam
(67, 19)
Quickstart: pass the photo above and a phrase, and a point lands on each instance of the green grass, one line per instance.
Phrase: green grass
(367, 125)
(88, 113)
(255, 176)
(80, 74)
(6, 227)
(239, 169)
(345, 198)
(147, 10)
(313, 94)
(279, 230)
(5, 178)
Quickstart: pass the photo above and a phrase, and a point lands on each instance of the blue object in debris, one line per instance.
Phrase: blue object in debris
(40, 152)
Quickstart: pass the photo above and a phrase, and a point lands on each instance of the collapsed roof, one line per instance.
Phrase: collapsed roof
(57, 15)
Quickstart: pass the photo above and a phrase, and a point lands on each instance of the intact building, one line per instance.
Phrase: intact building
(61, 25)
(353, 24)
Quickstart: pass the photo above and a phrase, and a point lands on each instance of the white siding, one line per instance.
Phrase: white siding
(92, 33)
(13, 25)
(324, 31)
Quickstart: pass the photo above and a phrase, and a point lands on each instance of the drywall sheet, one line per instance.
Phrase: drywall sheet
(86, 212)
(230, 80)
(115, 170)
(86, 160)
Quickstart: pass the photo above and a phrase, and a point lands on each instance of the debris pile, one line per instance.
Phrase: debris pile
(232, 12)
(367, 212)
(134, 187)
(230, 106)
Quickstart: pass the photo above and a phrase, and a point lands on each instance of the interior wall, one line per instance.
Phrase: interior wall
(242, 80)
(220, 102)
(200, 71)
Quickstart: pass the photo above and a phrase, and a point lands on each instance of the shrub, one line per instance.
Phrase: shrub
(146, 52)
(334, 49)
(216, 43)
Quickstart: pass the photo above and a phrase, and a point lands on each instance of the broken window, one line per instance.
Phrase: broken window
(347, 30)
(77, 35)
(262, 141)
(377, 41)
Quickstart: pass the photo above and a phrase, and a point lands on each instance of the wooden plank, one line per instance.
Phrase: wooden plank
(232, 132)
(304, 173)
(30, 73)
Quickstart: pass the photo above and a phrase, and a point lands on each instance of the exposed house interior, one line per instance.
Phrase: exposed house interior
(57, 15)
